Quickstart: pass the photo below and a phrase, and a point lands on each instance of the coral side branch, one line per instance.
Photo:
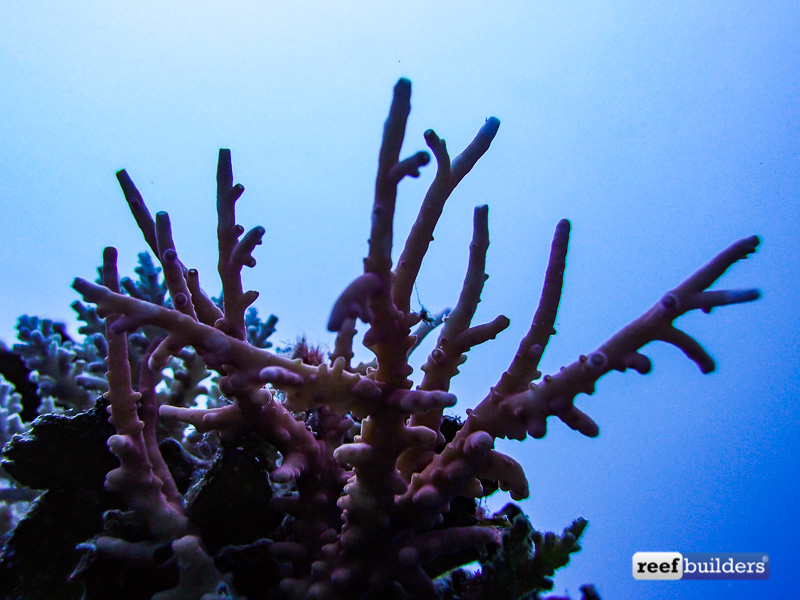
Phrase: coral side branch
(256, 410)
(119, 375)
(713, 269)
(138, 209)
(354, 301)
(173, 269)
(448, 176)
(463, 163)
(148, 412)
(207, 312)
(233, 253)
(523, 368)
(343, 347)
(457, 337)
(460, 318)
(408, 167)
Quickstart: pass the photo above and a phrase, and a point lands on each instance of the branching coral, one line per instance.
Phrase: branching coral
(368, 474)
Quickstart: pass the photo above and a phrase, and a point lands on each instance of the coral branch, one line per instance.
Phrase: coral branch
(233, 252)
(138, 209)
(123, 400)
(408, 167)
(343, 347)
(148, 413)
(173, 269)
(335, 387)
(135, 478)
(448, 176)
(183, 331)
(523, 368)
(388, 337)
(354, 301)
(207, 312)
(379, 258)
(456, 336)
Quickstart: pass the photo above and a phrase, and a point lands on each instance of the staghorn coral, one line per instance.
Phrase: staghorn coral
(13, 497)
(370, 487)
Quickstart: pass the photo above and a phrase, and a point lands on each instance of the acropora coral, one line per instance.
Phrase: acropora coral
(302, 475)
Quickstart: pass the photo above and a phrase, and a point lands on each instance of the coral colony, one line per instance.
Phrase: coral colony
(302, 475)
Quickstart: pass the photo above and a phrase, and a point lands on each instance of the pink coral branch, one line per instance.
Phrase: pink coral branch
(448, 176)
(139, 209)
(456, 336)
(455, 339)
(343, 347)
(379, 257)
(218, 348)
(135, 478)
(256, 410)
(173, 268)
(233, 252)
(388, 337)
(148, 413)
(207, 312)
(523, 368)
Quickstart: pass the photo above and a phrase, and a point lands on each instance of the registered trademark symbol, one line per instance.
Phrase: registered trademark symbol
(765, 558)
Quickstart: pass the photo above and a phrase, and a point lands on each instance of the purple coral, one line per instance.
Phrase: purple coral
(365, 510)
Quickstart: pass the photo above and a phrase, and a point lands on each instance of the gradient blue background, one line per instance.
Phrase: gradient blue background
(663, 130)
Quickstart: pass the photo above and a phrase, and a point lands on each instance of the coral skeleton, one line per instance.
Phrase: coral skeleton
(370, 478)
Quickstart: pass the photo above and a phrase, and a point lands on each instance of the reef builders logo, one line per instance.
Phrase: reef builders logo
(700, 565)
